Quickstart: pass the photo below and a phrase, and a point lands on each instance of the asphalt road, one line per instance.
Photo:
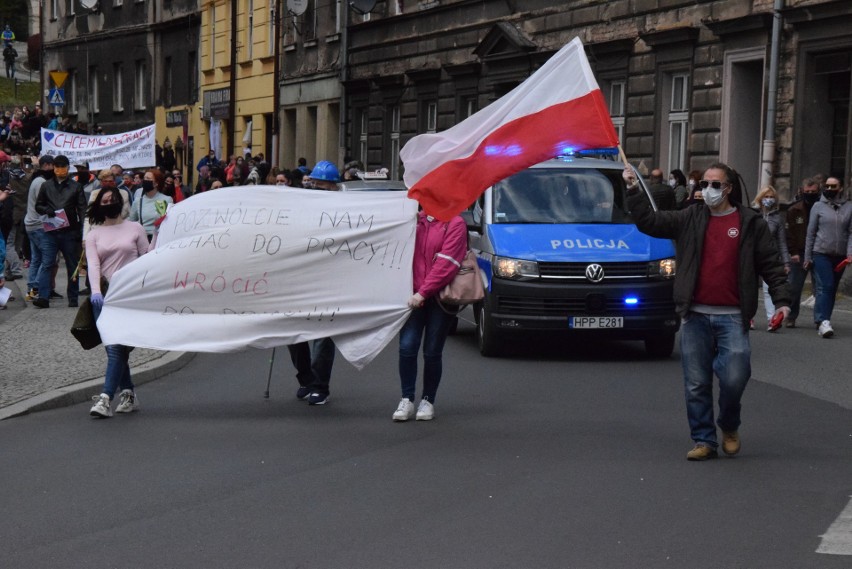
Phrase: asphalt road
(567, 457)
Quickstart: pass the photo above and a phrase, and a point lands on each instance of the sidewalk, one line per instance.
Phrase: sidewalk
(42, 366)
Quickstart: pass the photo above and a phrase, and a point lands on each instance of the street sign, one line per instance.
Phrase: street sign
(58, 77)
(56, 97)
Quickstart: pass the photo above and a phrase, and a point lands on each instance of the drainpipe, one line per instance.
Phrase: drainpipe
(344, 76)
(276, 85)
(232, 104)
(767, 161)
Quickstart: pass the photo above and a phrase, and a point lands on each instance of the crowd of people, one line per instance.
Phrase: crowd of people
(100, 221)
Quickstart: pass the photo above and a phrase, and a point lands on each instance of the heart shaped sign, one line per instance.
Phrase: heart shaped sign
(48, 136)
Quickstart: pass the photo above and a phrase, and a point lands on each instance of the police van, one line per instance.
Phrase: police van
(559, 253)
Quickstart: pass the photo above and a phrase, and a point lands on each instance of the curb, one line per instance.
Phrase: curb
(85, 390)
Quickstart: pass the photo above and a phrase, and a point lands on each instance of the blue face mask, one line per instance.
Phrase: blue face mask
(768, 202)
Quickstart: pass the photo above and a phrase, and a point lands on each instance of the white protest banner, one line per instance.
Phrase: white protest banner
(263, 266)
(134, 149)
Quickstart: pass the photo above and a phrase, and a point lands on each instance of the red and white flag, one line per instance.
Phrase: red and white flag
(558, 109)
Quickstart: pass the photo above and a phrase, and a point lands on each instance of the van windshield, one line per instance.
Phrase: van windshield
(561, 195)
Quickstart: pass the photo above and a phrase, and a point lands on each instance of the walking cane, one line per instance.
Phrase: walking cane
(269, 379)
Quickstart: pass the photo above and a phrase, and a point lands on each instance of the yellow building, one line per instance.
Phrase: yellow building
(246, 122)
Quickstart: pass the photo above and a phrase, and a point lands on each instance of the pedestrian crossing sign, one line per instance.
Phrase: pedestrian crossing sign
(56, 97)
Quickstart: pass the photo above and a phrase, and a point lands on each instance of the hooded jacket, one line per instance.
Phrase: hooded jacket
(829, 229)
(758, 255)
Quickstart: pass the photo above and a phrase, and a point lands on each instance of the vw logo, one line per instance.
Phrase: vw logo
(595, 273)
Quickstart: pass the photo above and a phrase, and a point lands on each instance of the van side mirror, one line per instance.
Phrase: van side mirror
(467, 216)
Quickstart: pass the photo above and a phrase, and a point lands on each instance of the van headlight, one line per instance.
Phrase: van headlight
(507, 268)
(664, 268)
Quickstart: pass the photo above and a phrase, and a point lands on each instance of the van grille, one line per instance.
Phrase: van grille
(578, 270)
(592, 304)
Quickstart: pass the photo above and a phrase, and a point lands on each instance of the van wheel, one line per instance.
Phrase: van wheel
(660, 346)
(486, 333)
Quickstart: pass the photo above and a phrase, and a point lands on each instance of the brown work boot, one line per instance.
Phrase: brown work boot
(730, 442)
(701, 452)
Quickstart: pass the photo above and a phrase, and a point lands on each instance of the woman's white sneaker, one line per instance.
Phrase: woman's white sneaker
(825, 329)
(101, 406)
(127, 402)
(425, 411)
(404, 411)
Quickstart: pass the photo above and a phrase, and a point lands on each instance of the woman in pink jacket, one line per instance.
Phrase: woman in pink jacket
(439, 249)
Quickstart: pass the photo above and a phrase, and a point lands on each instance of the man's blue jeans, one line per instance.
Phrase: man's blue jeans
(714, 343)
(65, 240)
(825, 285)
(796, 280)
(118, 366)
(36, 245)
(430, 325)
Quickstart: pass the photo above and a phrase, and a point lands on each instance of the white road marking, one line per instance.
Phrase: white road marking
(838, 539)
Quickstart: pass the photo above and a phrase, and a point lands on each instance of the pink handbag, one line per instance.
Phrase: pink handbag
(466, 286)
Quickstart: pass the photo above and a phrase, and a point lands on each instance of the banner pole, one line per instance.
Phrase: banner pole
(623, 156)
(269, 378)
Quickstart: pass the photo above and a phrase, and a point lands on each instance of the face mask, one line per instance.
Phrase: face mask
(768, 202)
(810, 197)
(147, 185)
(112, 210)
(691, 184)
(60, 172)
(830, 194)
(47, 174)
(280, 183)
(673, 182)
(713, 197)
(108, 184)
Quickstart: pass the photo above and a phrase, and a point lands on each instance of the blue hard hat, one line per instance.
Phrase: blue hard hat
(325, 171)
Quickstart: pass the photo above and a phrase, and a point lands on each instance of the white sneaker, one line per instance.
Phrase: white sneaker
(425, 411)
(127, 402)
(825, 329)
(101, 406)
(404, 411)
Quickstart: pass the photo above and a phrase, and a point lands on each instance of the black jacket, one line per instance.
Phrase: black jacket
(68, 195)
(758, 256)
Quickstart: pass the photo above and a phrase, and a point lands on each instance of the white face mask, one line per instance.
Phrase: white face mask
(673, 182)
(768, 202)
(713, 197)
(691, 183)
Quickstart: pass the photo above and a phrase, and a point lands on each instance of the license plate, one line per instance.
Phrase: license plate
(596, 322)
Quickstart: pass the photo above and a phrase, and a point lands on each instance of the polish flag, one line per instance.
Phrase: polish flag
(557, 110)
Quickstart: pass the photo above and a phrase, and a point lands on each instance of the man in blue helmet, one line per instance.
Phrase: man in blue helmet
(313, 363)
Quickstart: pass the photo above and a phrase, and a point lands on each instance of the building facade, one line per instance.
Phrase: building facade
(237, 78)
(687, 81)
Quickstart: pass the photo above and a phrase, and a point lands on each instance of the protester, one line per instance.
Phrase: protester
(171, 190)
(4, 195)
(721, 250)
(663, 194)
(313, 363)
(35, 227)
(766, 201)
(204, 180)
(798, 215)
(209, 160)
(828, 243)
(112, 243)
(107, 180)
(149, 203)
(61, 196)
(439, 249)
(678, 183)
(10, 54)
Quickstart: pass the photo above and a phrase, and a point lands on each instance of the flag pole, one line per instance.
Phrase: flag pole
(623, 156)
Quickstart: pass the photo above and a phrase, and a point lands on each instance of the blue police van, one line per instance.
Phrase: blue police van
(559, 253)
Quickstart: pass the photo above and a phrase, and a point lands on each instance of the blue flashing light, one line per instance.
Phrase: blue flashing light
(631, 300)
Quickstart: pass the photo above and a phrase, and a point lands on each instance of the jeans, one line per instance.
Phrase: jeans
(36, 245)
(65, 240)
(13, 262)
(430, 325)
(313, 370)
(118, 367)
(767, 303)
(796, 280)
(825, 285)
(714, 343)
